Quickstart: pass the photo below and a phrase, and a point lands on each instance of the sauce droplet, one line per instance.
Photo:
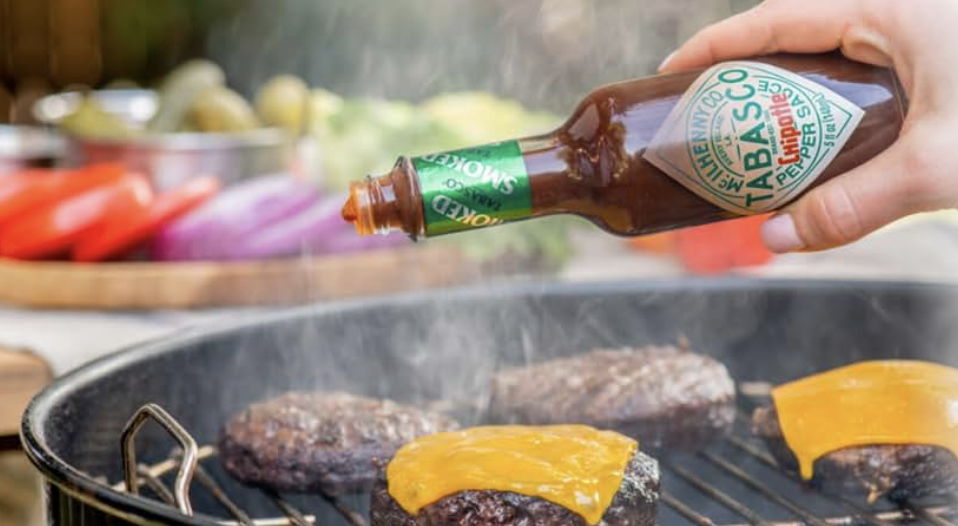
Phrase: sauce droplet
(349, 210)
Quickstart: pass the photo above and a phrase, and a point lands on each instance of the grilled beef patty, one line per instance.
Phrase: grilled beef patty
(897, 471)
(633, 505)
(328, 442)
(666, 397)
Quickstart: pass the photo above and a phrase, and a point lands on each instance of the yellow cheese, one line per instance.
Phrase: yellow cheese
(574, 466)
(869, 403)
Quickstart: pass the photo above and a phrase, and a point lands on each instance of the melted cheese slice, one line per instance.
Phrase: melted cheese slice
(574, 466)
(869, 403)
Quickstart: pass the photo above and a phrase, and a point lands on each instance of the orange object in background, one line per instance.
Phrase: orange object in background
(719, 247)
(712, 248)
(26, 191)
(662, 243)
(122, 231)
(53, 228)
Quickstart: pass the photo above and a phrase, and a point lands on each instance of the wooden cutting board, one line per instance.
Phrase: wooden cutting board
(22, 375)
(123, 286)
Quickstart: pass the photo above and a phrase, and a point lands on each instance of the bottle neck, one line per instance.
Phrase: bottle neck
(547, 169)
(387, 203)
(444, 193)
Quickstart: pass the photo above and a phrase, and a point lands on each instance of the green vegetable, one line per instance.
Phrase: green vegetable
(323, 105)
(483, 118)
(544, 240)
(179, 90)
(285, 102)
(220, 109)
(91, 120)
(366, 136)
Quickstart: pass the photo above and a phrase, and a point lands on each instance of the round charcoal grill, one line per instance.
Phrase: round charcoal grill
(130, 439)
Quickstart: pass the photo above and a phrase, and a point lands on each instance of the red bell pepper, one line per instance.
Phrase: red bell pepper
(26, 191)
(52, 228)
(120, 232)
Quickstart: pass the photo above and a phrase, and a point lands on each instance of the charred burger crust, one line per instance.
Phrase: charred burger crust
(633, 505)
(667, 397)
(330, 472)
(896, 471)
(320, 442)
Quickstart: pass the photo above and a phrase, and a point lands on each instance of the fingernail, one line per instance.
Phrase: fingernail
(665, 62)
(779, 234)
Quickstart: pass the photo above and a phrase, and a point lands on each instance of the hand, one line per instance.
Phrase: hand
(918, 38)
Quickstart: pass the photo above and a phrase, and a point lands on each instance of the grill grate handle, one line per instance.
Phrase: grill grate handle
(184, 476)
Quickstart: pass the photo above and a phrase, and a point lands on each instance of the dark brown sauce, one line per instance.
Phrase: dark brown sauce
(393, 202)
(593, 165)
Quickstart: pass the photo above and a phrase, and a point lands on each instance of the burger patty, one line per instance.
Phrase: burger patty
(314, 441)
(665, 397)
(896, 471)
(633, 505)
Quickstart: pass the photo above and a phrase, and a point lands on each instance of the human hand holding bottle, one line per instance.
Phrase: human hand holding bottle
(920, 171)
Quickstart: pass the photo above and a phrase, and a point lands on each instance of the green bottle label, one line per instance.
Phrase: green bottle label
(473, 188)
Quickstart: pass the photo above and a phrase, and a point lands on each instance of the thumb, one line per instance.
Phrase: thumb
(849, 206)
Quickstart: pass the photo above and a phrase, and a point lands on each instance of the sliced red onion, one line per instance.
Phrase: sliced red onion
(217, 229)
(318, 230)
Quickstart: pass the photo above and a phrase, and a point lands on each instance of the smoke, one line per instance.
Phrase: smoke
(547, 54)
(544, 53)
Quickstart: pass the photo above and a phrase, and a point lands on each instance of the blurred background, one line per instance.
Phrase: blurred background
(544, 53)
(226, 197)
(117, 79)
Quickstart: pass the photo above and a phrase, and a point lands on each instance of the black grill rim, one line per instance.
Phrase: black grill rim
(141, 510)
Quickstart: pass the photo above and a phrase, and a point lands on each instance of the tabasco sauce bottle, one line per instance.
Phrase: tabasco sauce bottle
(646, 155)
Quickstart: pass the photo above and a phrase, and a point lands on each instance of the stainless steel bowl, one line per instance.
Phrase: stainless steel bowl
(171, 159)
(28, 146)
(133, 106)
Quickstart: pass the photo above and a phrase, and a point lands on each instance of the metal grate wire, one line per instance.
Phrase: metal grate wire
(692, 470)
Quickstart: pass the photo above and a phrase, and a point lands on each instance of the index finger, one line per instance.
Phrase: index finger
(796, 26)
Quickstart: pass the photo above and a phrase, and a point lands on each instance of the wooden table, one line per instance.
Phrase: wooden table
(22, 375)
(124, 286)
(202, 284)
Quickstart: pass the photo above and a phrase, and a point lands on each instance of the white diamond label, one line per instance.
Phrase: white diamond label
(750, 137)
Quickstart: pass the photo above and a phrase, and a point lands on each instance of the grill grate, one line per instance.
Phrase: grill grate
(715, 481)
